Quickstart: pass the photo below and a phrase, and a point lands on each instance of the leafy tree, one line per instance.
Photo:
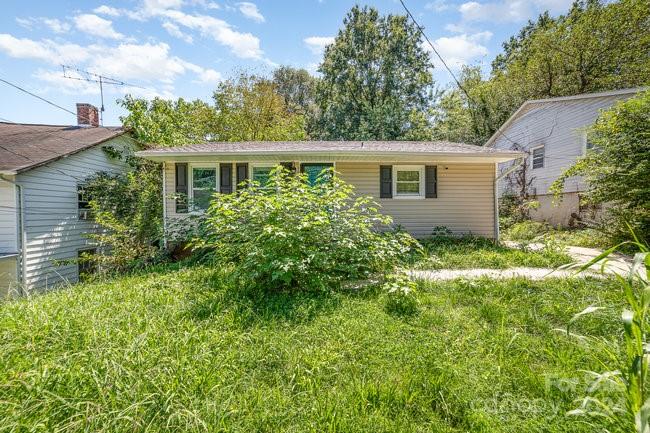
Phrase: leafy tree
(168, 123)
(249, 108)
(596, 46)
(376, 80)
(617, 169)
(290, 234)
(297, 87)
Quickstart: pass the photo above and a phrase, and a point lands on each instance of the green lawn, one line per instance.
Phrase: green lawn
(474, 252)
(185, 350)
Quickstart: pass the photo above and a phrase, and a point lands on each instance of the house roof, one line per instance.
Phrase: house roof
(26, 146)
(523, 106)
(331, 148)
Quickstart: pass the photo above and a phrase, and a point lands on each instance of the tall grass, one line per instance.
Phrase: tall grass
(188, 350)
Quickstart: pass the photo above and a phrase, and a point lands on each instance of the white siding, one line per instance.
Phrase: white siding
(465, 202)
(8, 228)
(560, 127)
(54, 233)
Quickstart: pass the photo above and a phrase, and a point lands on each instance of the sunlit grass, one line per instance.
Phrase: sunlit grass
(189, 351)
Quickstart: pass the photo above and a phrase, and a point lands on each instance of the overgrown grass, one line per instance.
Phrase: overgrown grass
(475, 252)
(187, 350)
(532, 231)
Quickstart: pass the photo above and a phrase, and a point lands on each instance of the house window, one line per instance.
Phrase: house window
(408, 181)
(204, 184)
(314, 172)
(538, 157)
(261, 172)
(85, 263)
(84, 210)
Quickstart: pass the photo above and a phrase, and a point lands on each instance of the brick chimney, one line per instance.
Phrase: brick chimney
(87, 115)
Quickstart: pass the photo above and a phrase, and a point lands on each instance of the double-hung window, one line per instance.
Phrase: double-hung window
(315, 171)
(204, 184)
(408, 181)
(260, 173)
(538, 157)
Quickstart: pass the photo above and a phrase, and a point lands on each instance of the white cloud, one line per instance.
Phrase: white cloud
(461, 49)
(250, 11)
(46, 50)
(96, 26)
(437, 6)
(510, 10)
(108, 10)
(317, 44)
(173, 30)
(155, 6)
(149, 62)
(243, 45)
(57, 26)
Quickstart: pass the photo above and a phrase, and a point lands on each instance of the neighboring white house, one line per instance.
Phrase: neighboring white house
(43, 218)
(422, 185)
(553, 132)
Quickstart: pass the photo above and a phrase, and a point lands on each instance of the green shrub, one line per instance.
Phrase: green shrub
(401, 296)
(289, 234)
(525, 231)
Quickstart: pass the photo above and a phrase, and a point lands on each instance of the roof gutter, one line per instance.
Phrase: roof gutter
(21, 238)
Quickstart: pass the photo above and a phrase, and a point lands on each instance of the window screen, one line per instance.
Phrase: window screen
(538, 157)
(204, 184)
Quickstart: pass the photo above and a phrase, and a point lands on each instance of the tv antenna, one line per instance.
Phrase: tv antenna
(72, 73)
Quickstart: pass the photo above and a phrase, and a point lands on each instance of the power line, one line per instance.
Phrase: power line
(36, 96)
(460, 86)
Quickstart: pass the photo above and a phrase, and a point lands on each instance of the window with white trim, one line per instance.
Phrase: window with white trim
(538, 157)
(203, 185)
(408, 181)
(260, 172)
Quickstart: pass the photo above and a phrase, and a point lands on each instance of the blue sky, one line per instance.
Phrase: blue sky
(182, 48)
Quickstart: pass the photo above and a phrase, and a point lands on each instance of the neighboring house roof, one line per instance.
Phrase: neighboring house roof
(26, 146)
(521, 109)
(421, 148)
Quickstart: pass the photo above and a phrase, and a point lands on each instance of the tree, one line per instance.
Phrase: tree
(617, 169)
(596, 46)
(297, 87)
(376, 80)
(249, 108)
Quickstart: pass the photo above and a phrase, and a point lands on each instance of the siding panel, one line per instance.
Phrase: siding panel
(53, 230)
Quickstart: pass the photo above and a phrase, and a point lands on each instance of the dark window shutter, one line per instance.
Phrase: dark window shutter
(385, 181)
(225, 178)
(289, 166)
(181, 187)
(431, 181)
(242, 172)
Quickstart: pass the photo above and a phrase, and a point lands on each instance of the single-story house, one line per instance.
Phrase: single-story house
(422, 185)
(44, 215)
(553, 133)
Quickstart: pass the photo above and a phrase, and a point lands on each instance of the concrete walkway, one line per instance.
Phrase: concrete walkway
(532, 273)
(617, 264)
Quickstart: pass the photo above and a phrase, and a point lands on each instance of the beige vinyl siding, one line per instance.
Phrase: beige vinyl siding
(54, 232)
(465, 202)
(8, 221)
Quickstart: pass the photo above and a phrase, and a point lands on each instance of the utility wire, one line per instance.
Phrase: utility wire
(460, 86)
(38, 97)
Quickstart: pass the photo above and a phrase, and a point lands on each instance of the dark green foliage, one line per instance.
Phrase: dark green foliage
(376, 80)
(288, 234)
(187, 350)
(129, 208)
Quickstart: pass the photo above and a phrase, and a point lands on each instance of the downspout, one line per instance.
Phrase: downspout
(497, 178)
(21, 238)
(164, 204)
